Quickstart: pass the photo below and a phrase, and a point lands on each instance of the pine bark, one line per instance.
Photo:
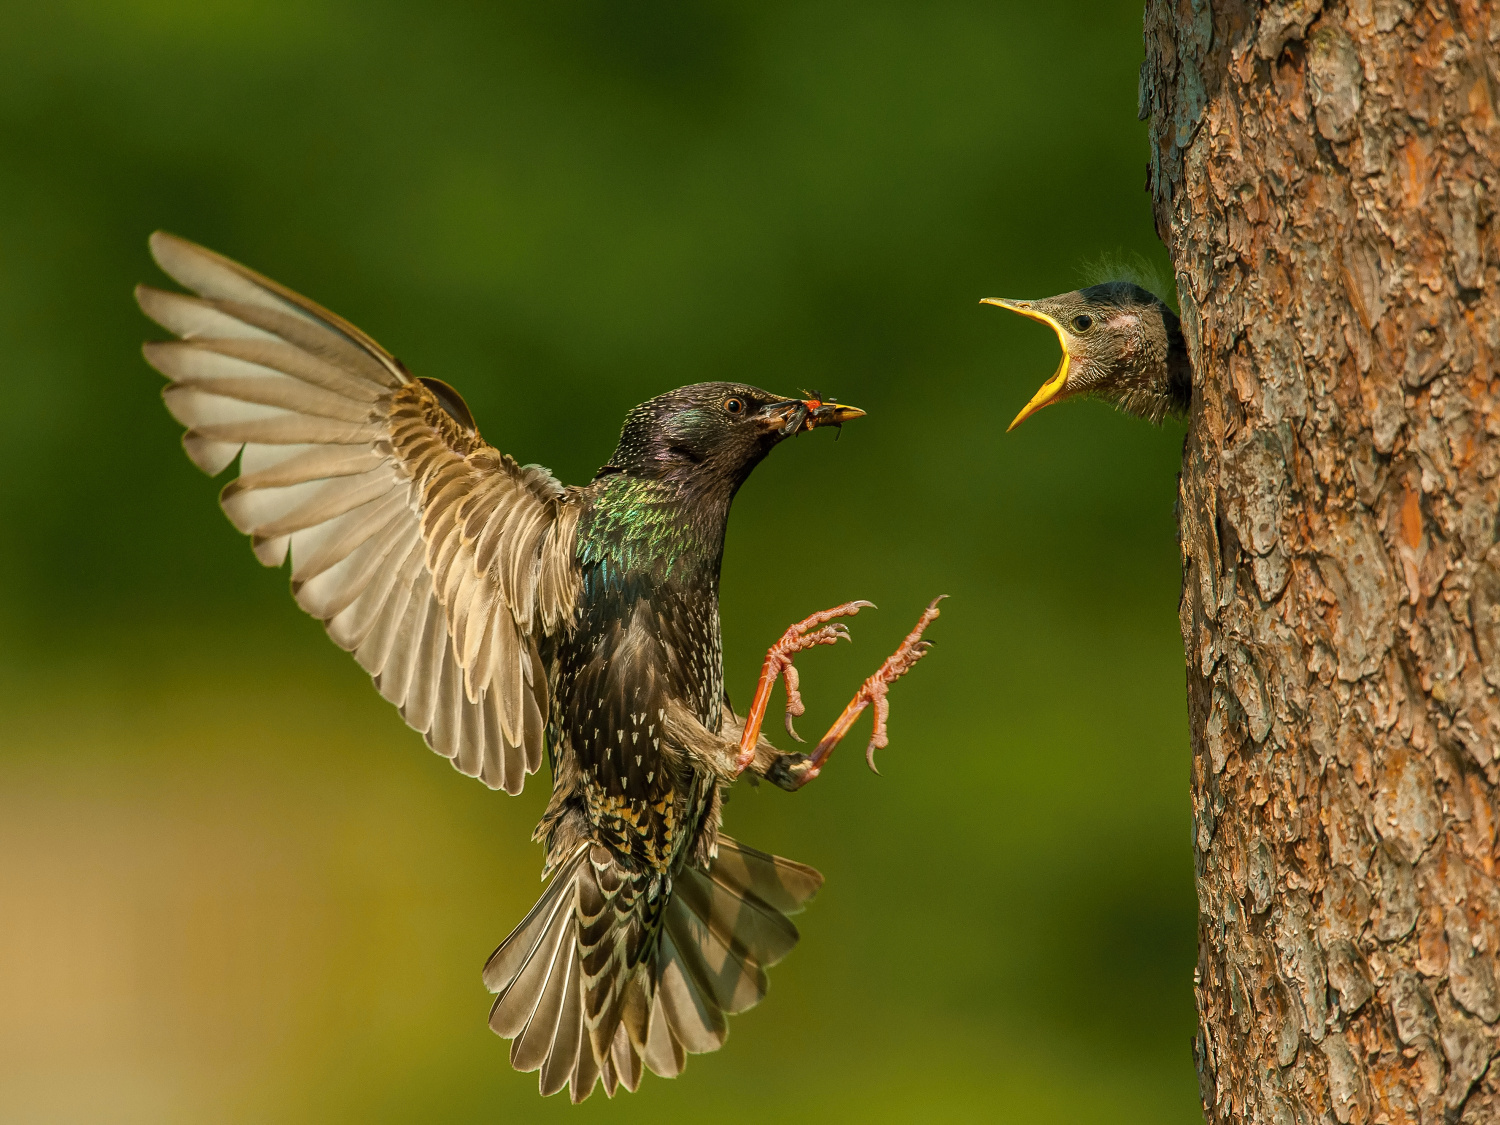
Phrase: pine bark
(1325, 177)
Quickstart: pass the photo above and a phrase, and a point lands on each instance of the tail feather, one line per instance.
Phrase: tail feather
(737, 919)
(514, 1008)
(635, 1010)
(617, 914)
(582, 1007)
(562, 1061)
(627, 1062)
(733, 979)
(694, 1019)
(782, 884)
(510, 958)
(586, 1072)
(539, 1040)
(663, 1054)
(607, 1075)
(536, 972)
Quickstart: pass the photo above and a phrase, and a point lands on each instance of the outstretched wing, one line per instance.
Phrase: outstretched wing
(435, 559)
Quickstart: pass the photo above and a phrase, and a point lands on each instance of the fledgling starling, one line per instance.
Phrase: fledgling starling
(1120, 343)
(505, 614)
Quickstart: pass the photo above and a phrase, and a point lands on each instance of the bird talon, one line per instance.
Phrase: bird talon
(809, 632)
(875, 691)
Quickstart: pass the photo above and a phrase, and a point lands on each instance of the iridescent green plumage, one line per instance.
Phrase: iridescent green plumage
(635, 527)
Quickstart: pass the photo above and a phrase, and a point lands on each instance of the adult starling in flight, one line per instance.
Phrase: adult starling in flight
(505, 614)
(1120, 343)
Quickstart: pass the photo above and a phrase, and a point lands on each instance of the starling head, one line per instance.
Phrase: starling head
(1120, 343)
(715, 433)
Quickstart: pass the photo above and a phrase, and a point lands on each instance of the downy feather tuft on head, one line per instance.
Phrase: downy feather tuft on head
(1131, 266)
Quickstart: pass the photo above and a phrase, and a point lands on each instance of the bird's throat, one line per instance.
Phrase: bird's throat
(641, 534)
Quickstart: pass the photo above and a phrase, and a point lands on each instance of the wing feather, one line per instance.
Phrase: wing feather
(269, 372)
(313, 462)
(262, 303)
(268, 426)
(331, 586)
(427, 667)
(369, 626)
(438, 561)
(276, 355)
(355, 530)
(213, 457)
(190, 317)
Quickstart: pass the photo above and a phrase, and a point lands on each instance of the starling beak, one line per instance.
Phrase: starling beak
(511, 619)
(1119, 343)
(1053, 386)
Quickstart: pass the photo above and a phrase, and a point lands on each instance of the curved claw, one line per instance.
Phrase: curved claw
(794, 704)
(879, 739)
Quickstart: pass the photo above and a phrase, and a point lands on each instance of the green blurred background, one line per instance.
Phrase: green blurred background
(236, 889)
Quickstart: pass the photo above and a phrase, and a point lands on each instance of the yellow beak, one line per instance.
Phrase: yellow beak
(830, 413)
(1053, 386)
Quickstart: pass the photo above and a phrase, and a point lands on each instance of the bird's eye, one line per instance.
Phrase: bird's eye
(1082, 322)
(734, 405)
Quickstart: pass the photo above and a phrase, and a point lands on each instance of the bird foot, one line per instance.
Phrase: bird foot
(807, 633)
(873, 691)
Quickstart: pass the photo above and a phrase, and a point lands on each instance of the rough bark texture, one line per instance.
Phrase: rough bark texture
(1325, 176)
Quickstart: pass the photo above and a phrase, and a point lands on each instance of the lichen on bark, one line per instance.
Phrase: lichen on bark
(1325, 178)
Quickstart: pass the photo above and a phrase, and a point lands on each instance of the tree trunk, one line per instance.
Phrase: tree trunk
(1325, 177)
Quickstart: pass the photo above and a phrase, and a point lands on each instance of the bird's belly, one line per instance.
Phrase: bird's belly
(638, 796)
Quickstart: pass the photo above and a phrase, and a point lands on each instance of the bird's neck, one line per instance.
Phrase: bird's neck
(1155, 381)
(643, 534)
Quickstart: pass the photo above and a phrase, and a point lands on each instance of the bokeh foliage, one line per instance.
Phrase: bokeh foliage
(237, 889)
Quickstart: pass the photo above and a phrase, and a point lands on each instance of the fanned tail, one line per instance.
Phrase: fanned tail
(584, 993)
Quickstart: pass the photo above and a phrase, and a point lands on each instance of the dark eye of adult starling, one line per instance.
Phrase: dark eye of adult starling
(735, 405)
(1082, 322)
